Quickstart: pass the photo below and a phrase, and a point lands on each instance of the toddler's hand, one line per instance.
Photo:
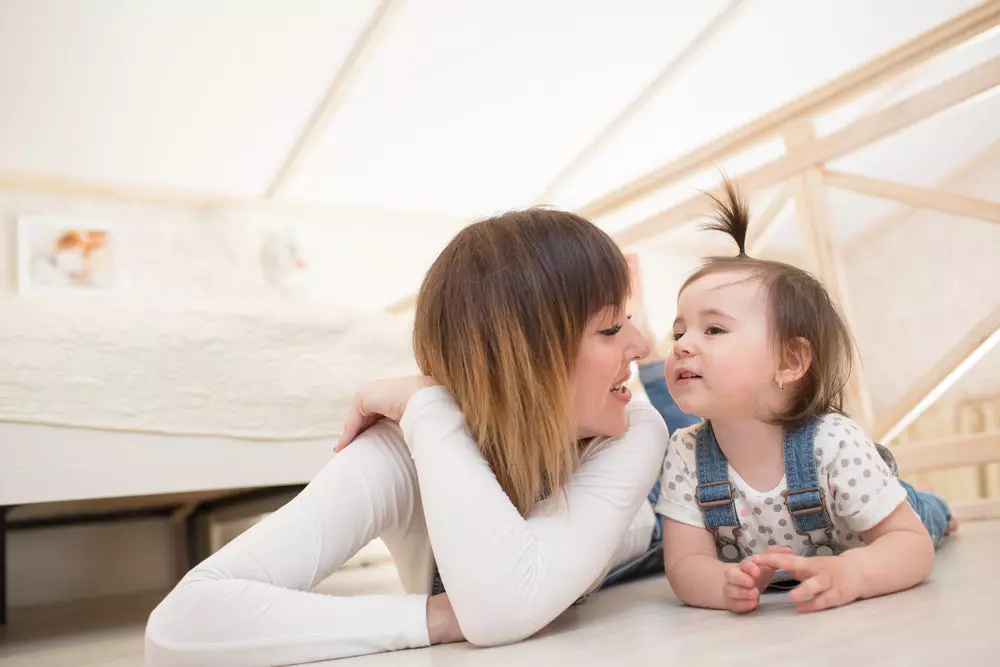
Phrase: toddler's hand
(745, 581)
(827, 581)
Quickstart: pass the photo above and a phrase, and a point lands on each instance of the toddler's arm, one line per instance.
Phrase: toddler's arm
(899, 555)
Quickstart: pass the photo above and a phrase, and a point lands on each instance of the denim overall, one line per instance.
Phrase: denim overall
(806, 501)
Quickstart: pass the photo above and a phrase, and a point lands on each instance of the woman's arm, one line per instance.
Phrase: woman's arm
(509, 576)
(249, 604)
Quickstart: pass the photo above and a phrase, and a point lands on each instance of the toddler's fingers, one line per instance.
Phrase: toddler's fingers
(810, 587)
(734, 592)
(738, 577)
(750, 567)
(824, 600)
(742, 606)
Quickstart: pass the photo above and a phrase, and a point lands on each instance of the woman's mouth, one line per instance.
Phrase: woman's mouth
(622, 393)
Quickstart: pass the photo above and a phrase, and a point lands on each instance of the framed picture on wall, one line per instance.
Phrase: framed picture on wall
(64, 254)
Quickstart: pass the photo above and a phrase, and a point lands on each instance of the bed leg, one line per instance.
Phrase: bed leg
(195, 537)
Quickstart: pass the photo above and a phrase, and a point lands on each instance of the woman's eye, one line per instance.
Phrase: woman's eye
(714, 331)
(612, 331)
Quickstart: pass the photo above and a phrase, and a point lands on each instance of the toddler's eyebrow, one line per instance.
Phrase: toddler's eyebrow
(709, 312)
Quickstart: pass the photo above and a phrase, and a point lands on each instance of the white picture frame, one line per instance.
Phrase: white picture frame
(67, 255)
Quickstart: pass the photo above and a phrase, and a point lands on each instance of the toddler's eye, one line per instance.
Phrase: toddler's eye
(677, 335)
(714, 331)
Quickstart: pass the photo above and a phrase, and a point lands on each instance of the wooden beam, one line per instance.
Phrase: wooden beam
(862, 132)
(816, 226)
(760, 226)
(954, 452)
(976, 510)
(842, 89)
(639, 102)
(952, 181)
(945, 373)
(917, 197)
(358, 57)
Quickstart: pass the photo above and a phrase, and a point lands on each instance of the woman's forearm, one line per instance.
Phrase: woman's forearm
(508, 576)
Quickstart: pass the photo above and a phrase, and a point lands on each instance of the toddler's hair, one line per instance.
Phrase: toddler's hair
(799, 308)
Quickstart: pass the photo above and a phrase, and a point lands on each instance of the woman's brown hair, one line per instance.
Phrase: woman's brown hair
(499, 321)
(800, 310)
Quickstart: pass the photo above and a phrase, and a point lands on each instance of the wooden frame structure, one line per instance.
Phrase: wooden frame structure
(802, 178)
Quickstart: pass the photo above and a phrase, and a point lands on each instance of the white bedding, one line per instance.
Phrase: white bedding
(48, 463)
(253, 375)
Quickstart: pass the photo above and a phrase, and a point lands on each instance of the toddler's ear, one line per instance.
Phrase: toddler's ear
(795, 359)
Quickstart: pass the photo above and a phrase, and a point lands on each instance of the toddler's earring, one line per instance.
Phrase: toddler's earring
(781, 384)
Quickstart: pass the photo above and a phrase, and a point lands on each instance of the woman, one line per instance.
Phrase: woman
(516, 458)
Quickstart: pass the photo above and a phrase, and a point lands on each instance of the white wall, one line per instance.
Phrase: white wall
(195, 253)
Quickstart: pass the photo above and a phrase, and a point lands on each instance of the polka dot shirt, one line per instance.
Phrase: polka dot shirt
(859, 488)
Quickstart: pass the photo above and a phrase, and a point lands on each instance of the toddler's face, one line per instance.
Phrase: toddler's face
(723, 363)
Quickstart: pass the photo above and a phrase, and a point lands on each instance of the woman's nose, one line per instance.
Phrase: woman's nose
(638, 346)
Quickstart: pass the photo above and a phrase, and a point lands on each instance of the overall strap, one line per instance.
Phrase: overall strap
(715, 494)
(804, 497)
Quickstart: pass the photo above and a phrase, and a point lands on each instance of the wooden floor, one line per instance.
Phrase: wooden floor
(952, 619)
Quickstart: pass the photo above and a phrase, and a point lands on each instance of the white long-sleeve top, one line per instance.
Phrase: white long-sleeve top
(418, 485)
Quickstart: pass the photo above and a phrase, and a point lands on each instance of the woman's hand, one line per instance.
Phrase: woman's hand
(380, 399)
(442, 624)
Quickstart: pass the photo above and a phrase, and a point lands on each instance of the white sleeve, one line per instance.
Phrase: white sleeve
(863, 488)
(249, 604)
(508, 576)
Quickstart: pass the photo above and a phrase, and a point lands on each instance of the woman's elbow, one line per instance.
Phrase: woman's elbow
(496, 626)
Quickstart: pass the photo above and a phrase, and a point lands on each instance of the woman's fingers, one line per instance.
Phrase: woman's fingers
(356, 424)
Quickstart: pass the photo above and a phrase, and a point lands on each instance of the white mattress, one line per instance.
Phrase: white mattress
(261, 374)
(46, 463)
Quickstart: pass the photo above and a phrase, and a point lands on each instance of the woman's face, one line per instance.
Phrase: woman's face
(610, 344)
